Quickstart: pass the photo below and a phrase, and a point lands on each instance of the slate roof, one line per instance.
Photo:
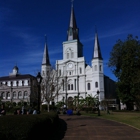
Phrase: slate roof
(16, 77)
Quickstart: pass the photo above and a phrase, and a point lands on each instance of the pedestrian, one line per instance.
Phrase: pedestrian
(34, 112)
(2, 110)
(22, 109)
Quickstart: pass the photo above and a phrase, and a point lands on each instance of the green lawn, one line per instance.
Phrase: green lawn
(131, 118)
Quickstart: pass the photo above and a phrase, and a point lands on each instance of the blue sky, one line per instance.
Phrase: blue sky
(23, 24)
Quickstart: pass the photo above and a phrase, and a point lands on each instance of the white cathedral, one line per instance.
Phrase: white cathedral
(81, 78)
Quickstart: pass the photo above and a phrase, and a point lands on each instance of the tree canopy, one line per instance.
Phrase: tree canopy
(124, 62)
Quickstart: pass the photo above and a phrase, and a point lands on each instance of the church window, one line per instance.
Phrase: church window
(63, 84)
(72, 55)
(67, 55)
(43, 73)
(70, 73)
(59, 72)
(80, 70)
(75, 83)
(68, 86)
(47, 72)
(88, 86)
(71, 86)
(100, 68)
(96, 84)
(95, 67)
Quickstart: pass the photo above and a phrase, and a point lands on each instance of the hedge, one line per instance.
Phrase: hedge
(27, 127)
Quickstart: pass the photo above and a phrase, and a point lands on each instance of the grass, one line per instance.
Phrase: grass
(130, 118)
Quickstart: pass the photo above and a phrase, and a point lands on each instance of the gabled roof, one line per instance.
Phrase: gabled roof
(16, 77)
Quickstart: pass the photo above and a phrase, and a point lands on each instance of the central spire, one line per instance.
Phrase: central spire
(72, 32)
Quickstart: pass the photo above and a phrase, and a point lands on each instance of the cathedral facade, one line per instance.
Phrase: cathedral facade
(79, 78)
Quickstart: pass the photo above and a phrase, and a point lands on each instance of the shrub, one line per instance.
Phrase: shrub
(26, 127)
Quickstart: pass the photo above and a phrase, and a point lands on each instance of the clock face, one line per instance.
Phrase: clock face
(70, 65)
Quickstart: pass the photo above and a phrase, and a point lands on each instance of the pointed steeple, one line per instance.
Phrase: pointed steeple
(46, 60)
(72, 32)
(97, 51)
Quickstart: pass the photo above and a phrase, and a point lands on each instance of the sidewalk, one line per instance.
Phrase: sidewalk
(89, 128)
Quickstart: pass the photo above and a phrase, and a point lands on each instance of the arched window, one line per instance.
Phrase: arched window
(88, 86)
(20, 94)
(100, 68)
(95, 67)
(80, 70)
(68, 86)
(47, 72)
(72, 55)
(43, 73)
(8, 95)
(25, 94)
(63, 83)
(71, 86)
(59, 72)
(14, 95)
(3, 95)
(96, 84)
(67, 55)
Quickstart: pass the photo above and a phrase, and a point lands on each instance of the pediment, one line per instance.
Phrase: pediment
(3, 86)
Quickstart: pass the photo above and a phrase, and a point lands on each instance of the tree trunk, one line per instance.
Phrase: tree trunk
(48, 107)
(40, 107)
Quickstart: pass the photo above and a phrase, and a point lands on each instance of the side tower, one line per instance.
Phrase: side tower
(97, 69)
(46, 66)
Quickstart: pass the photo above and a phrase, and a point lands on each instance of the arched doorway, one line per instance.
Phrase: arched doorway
(70, 102)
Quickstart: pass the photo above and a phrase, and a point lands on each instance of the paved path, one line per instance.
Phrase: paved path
(91, 128)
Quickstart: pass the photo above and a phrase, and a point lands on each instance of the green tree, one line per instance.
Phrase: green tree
(88, 101)
(125, 64)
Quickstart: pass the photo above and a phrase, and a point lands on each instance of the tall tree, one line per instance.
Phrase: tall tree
(50, 87)
(125, 64)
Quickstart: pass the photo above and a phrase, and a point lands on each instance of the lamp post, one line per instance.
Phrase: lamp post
(98, 102)
(39, 80)
(66, 92)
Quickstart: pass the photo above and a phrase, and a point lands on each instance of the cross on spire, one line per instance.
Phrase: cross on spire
(72, 2)
(45, 38)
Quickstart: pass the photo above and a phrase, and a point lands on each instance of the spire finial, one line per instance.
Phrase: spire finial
(95, 29)
(45, 38)
(72, 2)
